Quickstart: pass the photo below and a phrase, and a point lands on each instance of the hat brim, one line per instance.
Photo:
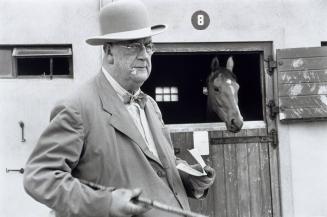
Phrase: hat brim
(127, 35)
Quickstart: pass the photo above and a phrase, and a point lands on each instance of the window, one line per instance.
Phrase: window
(36, 61)
(166, 94)
(181, 71)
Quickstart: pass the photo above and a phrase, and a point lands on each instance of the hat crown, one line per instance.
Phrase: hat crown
(124, 20)
(123, 15)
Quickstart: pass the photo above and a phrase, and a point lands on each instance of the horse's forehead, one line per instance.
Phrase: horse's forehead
(222, 79)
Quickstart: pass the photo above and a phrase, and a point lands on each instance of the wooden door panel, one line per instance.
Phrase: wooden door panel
(242, 185)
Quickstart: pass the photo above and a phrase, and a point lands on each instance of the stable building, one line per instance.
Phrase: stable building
(273, 167)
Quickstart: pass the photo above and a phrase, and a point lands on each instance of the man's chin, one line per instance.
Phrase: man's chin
(140, 76)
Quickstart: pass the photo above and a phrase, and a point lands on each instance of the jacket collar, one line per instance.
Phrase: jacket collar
(119, 115)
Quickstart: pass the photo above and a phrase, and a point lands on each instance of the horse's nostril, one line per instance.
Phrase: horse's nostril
(232, 121)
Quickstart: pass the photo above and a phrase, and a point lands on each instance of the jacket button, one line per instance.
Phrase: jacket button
(160, 173)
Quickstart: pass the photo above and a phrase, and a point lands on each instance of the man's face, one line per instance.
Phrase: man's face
(132, 62)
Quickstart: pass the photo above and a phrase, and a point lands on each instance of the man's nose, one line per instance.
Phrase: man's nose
(142, 54)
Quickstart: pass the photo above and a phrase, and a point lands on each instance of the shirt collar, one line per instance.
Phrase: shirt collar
(117, 87)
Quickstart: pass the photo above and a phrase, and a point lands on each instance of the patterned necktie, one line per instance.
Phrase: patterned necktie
(140, 99)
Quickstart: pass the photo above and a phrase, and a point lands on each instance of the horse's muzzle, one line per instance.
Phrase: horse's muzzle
(235, 125)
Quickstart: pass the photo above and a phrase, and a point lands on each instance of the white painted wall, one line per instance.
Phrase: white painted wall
(30, 100)
(288, 23)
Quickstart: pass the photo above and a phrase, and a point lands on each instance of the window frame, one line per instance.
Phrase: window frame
(50, 56)
(170, 94)
(264, 48)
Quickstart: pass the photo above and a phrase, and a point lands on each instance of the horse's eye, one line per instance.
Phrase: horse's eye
(216, 89)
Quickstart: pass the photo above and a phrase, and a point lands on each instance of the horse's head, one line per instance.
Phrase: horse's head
(223, 94)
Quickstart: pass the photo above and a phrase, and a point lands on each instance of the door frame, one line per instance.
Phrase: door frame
(265, 48)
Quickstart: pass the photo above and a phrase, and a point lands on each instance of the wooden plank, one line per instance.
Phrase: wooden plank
(302, 52)
(255, 177)
(310, 101)
(302, 64)
(306, 76)
(274, 176)
(302, 89)
(182, 141)
(302, 85)
(244, 206)
(303, 113)
(209, 204)
(219, 187)
(217, 126)
(265, 177)
(231, 178)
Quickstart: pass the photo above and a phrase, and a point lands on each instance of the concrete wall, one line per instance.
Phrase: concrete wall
(30, 100)
(288, 23)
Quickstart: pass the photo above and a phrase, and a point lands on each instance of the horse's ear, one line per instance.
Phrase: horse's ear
(230, 64)
(214, 64)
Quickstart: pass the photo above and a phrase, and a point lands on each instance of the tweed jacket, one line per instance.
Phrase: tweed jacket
(92, 137)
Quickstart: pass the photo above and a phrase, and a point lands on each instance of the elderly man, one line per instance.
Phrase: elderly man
(111, 133)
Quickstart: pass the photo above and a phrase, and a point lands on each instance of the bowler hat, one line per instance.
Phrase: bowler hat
(124, 20)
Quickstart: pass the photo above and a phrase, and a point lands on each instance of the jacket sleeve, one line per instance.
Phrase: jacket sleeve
(191, 191)
(47, 176)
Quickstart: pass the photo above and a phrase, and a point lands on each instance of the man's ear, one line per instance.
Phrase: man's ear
(108, 54)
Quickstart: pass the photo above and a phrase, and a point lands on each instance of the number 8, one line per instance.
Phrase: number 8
(200, 20)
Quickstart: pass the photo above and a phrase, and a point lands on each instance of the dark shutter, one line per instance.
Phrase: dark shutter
(5, 62)
(302, 83)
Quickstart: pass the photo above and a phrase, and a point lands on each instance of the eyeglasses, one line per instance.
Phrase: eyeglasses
(136, 47)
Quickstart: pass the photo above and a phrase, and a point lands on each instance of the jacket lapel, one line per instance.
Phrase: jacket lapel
(163, 145)
(119, 115)
(159, 138)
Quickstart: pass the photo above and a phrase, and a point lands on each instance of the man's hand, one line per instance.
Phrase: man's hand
(201, 183)
(122, 203)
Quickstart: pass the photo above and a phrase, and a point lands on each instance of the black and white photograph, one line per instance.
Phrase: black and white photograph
(163, 108)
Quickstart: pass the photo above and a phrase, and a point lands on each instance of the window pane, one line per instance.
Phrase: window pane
(166, 90)
(159, 90)
(166, 98)
(174, 90)
(159, 98)
(33, 66)
(174, 98)
(61, 66)
(5, 62)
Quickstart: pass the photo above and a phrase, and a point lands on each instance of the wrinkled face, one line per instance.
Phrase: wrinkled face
(223, 97)
(132, 62)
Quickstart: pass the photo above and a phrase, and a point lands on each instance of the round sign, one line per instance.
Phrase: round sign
(200, 20)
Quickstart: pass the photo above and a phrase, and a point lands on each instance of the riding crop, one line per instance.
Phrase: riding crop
(149, 202)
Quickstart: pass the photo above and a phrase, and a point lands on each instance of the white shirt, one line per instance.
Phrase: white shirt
(137, 113)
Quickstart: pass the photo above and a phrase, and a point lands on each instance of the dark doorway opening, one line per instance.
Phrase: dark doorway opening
(187, 72)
